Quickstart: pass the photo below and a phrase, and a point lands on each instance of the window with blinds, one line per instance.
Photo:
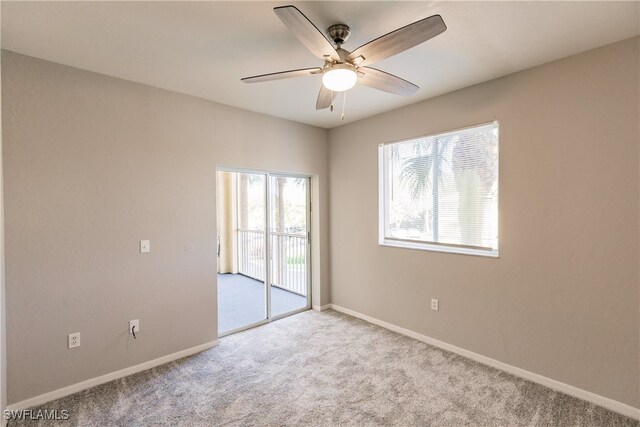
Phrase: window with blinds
(440, 192)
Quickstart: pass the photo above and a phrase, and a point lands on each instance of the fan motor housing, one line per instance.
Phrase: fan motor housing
(339, 33)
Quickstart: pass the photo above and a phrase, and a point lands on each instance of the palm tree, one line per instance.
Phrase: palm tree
(474, 179)
(417, 171)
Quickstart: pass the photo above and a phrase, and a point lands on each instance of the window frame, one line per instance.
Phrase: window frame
(395, 242)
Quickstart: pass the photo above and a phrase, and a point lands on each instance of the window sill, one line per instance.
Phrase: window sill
(439, 248)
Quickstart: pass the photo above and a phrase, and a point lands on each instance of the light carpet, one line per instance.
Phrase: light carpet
(326, 369)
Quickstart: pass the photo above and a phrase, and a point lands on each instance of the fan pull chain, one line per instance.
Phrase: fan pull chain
(344, 103)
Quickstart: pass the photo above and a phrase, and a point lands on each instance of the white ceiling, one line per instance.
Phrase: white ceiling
(204, 48)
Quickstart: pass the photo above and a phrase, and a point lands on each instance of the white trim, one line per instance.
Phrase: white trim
(383, 206)
(382, 195)
(321, 307)
(222, 168)
(267, 244)
(74, 388)
(446, 133)
(289, 313)
(425, 246)
(605, 402)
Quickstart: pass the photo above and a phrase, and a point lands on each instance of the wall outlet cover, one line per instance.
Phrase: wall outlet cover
(74, 340)
(134, 323)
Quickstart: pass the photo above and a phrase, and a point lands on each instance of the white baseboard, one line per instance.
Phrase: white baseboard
(605, 402)
(321, 307)
(74, 388)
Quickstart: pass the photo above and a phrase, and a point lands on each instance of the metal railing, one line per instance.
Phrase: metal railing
(288, 259)
(251, 253)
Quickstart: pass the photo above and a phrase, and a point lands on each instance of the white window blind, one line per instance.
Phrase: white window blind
(440, 192)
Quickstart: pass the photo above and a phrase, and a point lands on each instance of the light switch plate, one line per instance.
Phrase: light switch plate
(145, 246)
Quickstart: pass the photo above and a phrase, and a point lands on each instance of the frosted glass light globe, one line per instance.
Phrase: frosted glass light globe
(339, 77)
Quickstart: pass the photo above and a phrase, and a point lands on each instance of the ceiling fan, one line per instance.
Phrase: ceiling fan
(342, 69)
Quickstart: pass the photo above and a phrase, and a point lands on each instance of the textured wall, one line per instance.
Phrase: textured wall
(563, 298)
(93, 164)
(3, 305)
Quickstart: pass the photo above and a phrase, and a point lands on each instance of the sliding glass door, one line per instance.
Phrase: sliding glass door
(242, 237)
(288, 229)
(249, 251)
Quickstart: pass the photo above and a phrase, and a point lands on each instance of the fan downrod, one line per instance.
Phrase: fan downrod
(339, 33)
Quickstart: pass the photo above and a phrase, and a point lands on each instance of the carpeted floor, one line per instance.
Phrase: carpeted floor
(327, 369)
(241, 301)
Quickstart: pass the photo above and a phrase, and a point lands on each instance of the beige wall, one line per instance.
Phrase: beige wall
(92, 165)
(563, 298)
(3, 305)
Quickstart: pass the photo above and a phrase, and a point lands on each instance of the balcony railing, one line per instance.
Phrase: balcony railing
(251, 253)
(288, 259)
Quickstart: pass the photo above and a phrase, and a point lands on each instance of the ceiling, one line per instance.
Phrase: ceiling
(204, 48)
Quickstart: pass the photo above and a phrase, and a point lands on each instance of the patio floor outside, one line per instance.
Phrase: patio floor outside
(241, 301)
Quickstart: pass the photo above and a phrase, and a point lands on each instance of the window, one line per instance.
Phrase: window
(440, 192)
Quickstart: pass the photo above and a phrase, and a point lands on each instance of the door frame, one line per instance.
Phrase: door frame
(267, 207)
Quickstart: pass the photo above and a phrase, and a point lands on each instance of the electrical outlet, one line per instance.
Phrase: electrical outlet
(74, 340)
(145, 246)
(434, 304)
(134, 323)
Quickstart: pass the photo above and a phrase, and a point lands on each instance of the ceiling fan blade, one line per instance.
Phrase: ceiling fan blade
(380, 80)
(398, 41)
(306, 32)
(325, 98)
(282, 75)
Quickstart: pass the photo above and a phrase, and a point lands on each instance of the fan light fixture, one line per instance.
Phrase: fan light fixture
(339, 77)
(342, 69)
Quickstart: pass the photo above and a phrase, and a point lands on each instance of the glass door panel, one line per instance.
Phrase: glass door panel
(288, 232)
(241, 205)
